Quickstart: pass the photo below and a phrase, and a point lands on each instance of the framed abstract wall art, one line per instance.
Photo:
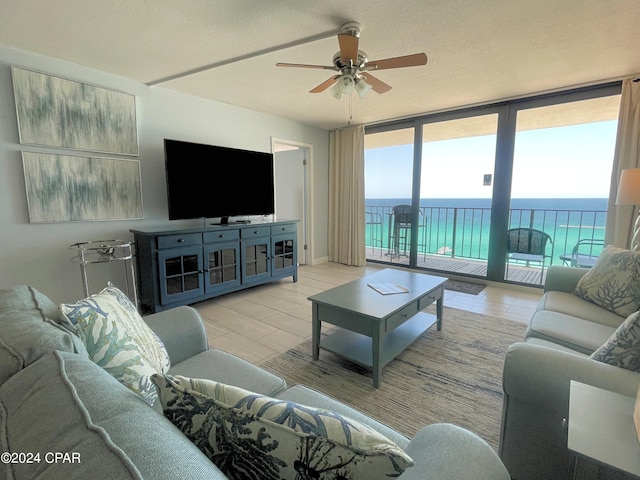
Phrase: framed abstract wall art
(67, 188)
(56, 112)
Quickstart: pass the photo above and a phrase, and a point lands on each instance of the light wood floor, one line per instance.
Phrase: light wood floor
(264, 321)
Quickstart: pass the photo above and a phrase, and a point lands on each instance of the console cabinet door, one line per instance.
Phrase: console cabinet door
(256, 260)
(180, 274)
(284, 256)
(221, 266)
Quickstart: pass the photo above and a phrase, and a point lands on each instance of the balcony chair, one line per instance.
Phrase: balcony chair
(584, 253)
(527, 245)
(400, 229)
(373, 223)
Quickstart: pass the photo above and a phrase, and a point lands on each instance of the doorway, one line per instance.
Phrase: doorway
(292, 184)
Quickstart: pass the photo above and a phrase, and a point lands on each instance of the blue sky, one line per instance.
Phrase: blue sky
(563, 162)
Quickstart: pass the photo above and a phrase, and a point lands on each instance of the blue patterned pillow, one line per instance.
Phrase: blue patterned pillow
(118, 339)
(614, 281)
(252, 436)
(623, 347)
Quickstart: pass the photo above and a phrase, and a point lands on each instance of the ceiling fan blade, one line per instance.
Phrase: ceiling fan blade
(348, 47)
(302, 65)
(324, 85)
(397, 62)
(377, 86)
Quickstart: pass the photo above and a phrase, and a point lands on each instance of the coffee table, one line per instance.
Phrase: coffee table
(376, 328)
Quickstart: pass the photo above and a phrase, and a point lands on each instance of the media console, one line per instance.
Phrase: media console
(187, 265)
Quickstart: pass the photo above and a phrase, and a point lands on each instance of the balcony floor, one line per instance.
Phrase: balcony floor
(459, 266)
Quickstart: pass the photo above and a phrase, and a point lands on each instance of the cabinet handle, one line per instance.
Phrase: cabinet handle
(181, 240)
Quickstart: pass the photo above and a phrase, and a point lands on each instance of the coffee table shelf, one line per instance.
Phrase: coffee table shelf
(357, 347)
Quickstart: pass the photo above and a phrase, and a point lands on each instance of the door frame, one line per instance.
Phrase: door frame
(307, 220)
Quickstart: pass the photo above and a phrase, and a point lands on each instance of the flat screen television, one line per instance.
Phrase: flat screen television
(207, 181)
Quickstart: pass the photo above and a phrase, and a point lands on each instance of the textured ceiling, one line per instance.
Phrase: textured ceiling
(479, 51)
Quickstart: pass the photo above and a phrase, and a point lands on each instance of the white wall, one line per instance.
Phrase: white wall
(38, 254)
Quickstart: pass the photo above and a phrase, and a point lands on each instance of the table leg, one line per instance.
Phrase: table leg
(439, 309)
(376, 347)
(315, 331)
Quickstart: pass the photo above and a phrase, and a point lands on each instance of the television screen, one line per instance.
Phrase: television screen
(207, 181)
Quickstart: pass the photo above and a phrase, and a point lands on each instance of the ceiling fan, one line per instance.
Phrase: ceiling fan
(354, 66)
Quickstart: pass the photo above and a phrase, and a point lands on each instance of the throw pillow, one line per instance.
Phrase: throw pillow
(622, 349)
(252, 436)
(118, 339)
(614, 281)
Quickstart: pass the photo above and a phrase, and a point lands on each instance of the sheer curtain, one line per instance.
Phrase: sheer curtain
(346, 196)
(621, 218)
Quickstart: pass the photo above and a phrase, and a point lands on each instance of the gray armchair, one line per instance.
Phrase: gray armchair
(537, 374)
(536, 379)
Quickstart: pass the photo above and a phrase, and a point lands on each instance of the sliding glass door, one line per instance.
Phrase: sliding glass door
(388, 195)
(456, 185)
(430, 206)
(466, 180)
(562, 167)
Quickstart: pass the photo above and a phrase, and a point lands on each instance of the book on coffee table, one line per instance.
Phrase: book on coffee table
(388, 288)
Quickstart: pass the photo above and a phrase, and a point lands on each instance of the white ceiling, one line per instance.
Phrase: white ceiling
(479, 50)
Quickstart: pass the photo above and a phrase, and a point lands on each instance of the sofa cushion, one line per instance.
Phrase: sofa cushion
(622, 349)
(118, 339)
(224, 367)
(572, 332)
(552, 345)
(575, 306)
(613, 282)
(29, 329)
(254, 436)
(66, 403)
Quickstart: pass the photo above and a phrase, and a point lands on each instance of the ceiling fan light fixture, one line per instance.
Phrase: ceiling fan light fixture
(336, 92)
(347, 83)
(344, 85)
(362, 87)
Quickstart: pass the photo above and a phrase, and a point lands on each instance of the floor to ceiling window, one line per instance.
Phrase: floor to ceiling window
(562, 164)
(388, 187)
(456, 181)
(469, 177)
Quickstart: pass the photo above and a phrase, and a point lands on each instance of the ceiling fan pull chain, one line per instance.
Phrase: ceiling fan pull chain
(350, 109)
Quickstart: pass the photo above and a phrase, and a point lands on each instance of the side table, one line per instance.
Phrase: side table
(601, 428)
(106, 251)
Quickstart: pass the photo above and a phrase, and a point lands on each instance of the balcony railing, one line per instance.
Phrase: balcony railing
(463, 233)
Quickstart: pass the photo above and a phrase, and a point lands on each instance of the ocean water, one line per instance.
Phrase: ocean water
(516, 203)
(460, 227)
